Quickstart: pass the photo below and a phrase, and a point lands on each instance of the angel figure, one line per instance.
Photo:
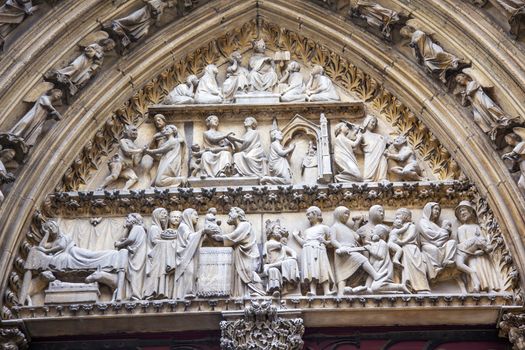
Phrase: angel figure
(376, 16)
(516, 139)
(12, 13)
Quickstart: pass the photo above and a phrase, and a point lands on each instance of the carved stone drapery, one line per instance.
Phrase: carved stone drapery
(262, 327)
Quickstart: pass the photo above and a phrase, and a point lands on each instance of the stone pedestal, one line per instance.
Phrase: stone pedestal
(215, 272)
(71, 293)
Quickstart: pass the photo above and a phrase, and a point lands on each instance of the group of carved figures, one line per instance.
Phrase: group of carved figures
(162, 261)
(226, 154)
(259, 78)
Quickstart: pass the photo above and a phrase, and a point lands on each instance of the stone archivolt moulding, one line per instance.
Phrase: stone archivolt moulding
(439, 157)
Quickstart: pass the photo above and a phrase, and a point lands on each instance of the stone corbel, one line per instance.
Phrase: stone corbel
(512, 326)
(261, 324)
(13, 338)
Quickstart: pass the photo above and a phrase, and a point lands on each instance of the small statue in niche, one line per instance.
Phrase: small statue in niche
(437, 245)
(135, 242)
(82, 69)
(486, 113)
(431, 55)
(183, 93)
(262, 73)
(344, 156)
(315, 266)
(381, 262)
(6, 156)
(122, 164)
(172, 154)
(237, 78)
(246, 256)
(348, 259)
(516, 139)
(216, 159)
(280, 261)
(310, 159)
(196, 160)
(374, 146)
(410, 170)
(30, 126)
(136, 25)
(376, 16)
(279, 171)
(249, 160)
(208, 91)
(320, 87)
(12, 13)
(483, 275)
(294, 89)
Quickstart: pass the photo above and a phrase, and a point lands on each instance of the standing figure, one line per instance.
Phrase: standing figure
(249, 160)
(160, 253)
(394, 239)
(376, 215)
(183, 93)
(486, 113)
(189, 240)
(137, 245)
(217, 157)
(172, 154)
(30, 126)
(237, 78)
(409, 170)
(344, 157)
(517, 155)
(374, 147)
(262, 69)
(376, 16)
(195, 160)
(279, 172)
(208, 91)
(320, 87)
(280, 261)
(77, 73)
(136, 25)
(122, 164)
(348, 257)
(310, 160)
(315, 266)
(431, 55)
(12, 13)
(437, 244)
(246, 258)
(484, 276)
(295, 89)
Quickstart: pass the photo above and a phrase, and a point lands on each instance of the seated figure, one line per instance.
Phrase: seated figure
(320, 87)
(182, 93)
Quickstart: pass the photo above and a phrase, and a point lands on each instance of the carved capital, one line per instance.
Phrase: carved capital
(512, 326)
(261, 327)
(12, 338)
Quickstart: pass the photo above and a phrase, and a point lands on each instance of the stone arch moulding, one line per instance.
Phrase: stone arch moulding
(439, 112)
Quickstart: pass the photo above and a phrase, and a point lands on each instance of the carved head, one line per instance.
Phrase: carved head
(317, 70)
(250, 122)
(196, 147)
(55, 94)
(159, 217)
(259, 46)
(275, 230)
(314, 215)
(134, 219)
(432, 211)
(192, 80)
(512, 139)
(370, 123)
(341, 214)
(130, 132)
(341, 128)
(462, 79)
(160, 121)
(275, 135)
(403, 215)
(407, 31)
(51, 229)
(92, 50)
(376, 214)
(212, 121)
(400, 141)
(211, 69)
(212, 211)
(175, 219)
(190, 217)
(170, 130)
(236, 56)
(293, 66)
(235, 215)
(466, 212)
(381, 232)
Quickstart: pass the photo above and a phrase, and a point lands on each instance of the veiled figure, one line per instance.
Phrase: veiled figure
(189, 240)
(30, 126)
(183, 93)
(320, 87)
(434, 58)
(170, 164)
(208, 90)
(481, 261)
(436, 242)
(344, 157)
(376, 215)
(237, 78)
(279, 171)
(217, 157)
(374, 147)
(161, 255)
(487, 114)
(249, 160)
(137, 24)
(262, 69)
(295, 89)
(12, 13)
